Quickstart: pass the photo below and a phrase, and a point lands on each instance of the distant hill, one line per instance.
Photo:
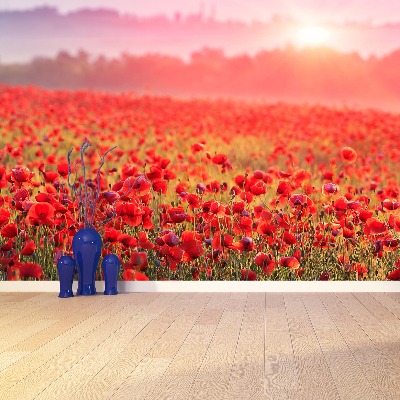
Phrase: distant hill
(313, 75)
(44, 32)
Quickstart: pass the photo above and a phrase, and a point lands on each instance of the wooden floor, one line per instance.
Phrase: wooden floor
(200, 346)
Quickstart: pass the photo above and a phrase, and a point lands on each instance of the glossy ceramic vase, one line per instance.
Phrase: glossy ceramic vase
(110, 266)
(66, 270)
(86, 246)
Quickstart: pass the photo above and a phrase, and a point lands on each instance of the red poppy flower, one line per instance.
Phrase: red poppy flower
(288, 238)
(240, 180)
(221, 241)
(248, 275)
(13, 273)
(111, 235)
(266, 228)
(258, 188)
(144, 242)
(163, 163)
(30, 270)
(41, 214)
(160, 186)
(244, 226)
(138, 260)
(196, 147)
(284, 188)
(394, 275)
(131, 212)
(330, 188)
(140, 184)
(132, 275)
(266, 262)
(169, 238)
(177, 215)
(9, 245)
(364, 215)
(219, 159)
(21, 174)
(341, 203)
(390, 205)
(29, 248)
(21, 195)
(127, 240)
(191, 245)
(245, 244)
(50, 176)
(4, 216)
(10, 230)
(181, 187)
(362, 270)
(289, 262)
(173, 255)
(111, 197)
(394, 222)
(155, 173)
(62, 169)
(348, 154)
(303, 202)
(375, 226)
(324, 276)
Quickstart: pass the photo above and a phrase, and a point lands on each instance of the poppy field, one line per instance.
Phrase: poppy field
(198, 189)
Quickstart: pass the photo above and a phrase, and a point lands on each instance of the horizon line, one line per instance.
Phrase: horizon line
(204, 17)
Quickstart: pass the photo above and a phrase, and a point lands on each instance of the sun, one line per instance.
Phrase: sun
(312, 35)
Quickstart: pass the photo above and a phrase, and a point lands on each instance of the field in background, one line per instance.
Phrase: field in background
(209, 190)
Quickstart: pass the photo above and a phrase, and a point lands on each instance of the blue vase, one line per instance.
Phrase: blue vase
(86, 246)
(110, 267)
(66, 269)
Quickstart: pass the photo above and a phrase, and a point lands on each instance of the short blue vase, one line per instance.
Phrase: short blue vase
(110, 266)
(86, 246)
(66, 269)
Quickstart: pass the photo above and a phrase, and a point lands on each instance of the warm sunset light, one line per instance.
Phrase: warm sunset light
(312, 36)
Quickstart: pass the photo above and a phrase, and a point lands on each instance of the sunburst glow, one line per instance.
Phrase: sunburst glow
(312, 36)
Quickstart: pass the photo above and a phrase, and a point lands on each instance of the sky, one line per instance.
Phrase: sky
(308, 11)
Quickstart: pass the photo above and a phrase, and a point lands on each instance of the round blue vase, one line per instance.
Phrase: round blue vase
(110, 266)
(66, 269)
(86, 246)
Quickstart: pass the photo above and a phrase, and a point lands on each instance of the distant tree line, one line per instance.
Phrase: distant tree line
(312, 75)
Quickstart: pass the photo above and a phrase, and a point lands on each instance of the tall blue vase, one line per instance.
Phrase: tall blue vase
(110, 266)
(66, 269)
(86, 246)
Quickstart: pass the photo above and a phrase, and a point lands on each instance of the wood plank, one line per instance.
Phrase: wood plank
(380, 313)
(12, 339)
(124, 327)
(313, 371)
(376, 367)
(51, 307)
(281, 380)
(137, 385)
(341, 361)
(176, 382)
(66, 321)
(51, 371)
(247, 375)
(213, 377)
(201, 345)
(22, 368)
(173, 338)
(16, 310)
(7, 358)
(145, 375)
(135, 349)
(393, 295)
(390, 301)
